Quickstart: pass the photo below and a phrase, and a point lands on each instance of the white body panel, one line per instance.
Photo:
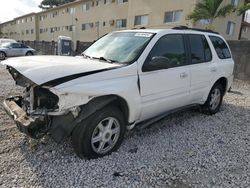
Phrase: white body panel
(147, 94)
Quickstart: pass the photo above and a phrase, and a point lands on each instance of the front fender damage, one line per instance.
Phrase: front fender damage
(62, 126)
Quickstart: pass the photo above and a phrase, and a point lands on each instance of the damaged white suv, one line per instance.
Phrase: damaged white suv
(126, 78)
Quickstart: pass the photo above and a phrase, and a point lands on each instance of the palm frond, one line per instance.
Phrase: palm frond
(242, 9)
(222, 12)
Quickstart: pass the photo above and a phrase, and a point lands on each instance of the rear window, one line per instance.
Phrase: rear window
(220, 47)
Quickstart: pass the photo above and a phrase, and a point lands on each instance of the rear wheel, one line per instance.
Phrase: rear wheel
(100, 134)
(214, 99)
(29, 53)
(2, 56)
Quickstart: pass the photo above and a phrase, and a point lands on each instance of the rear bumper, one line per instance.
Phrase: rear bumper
(34, 127)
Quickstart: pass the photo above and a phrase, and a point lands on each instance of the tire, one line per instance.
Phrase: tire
(214, 100)
(93, 133)
(2, 56)
(29, 53)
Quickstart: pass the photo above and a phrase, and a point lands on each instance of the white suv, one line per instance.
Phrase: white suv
(124, 79)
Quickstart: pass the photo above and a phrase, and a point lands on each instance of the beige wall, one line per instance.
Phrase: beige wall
(109, 13)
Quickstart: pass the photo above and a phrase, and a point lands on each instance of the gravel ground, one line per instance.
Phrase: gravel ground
(186, 149)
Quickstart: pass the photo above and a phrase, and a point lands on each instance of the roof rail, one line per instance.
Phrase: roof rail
(182, 27)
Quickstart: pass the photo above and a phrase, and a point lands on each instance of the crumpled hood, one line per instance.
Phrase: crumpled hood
(42, 69)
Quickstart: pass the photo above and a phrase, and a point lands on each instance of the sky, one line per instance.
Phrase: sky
(14, 8)
(10, 9)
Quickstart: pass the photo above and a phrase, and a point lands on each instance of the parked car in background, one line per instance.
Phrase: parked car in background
(3, 41)
(12, 49)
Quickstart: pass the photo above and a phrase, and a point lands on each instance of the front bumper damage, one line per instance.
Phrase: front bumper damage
(34, 126)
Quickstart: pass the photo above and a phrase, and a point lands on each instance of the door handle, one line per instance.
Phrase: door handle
(213, 69)
(183, 75)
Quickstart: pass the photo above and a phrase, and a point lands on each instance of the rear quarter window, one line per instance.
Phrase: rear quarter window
(220, 47)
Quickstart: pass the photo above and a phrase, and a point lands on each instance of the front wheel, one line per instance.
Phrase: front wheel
(214, 100)
(100, 134)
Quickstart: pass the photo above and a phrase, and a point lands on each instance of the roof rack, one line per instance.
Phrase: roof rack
(182, 27)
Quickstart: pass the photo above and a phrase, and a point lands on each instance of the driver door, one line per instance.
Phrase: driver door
(165, 77)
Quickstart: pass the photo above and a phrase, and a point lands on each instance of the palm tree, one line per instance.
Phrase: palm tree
(210, 10)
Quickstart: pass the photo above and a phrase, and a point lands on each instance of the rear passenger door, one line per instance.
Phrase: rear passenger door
(202, 67)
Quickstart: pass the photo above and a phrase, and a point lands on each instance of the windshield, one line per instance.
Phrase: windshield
(121, 47)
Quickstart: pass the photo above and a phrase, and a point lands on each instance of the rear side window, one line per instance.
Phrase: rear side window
(220, 47)
(200, 51)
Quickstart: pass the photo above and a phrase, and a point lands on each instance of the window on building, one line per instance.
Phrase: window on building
(122, 1)
(235, 2)
(220, 47)
(72, 10)
(121, 23)
(32, 31)
(141, 20)
(27, 31)
(52, 30)
(87, 26)
(200, 51)
(86, 6)
(98, 3)
(173, 16)
(104, 24)
(41, 31)
(230, 28)
(245, 29)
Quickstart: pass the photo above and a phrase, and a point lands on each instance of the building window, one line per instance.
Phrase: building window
(27, 32)
(173, 16)
(245, 29)
(141, 20)
(41, 30)
(72, 10)
(32, 31)
(235, 2)
(121, 23)
(98, 3)
(230, 28)
(122, 1)
(86, 6)
(87, 26)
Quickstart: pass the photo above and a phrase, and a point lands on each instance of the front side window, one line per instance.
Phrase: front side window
(220, 47)
(170, 50)
(121, 47)
(16, 45)
(141, 20)
(200, 51)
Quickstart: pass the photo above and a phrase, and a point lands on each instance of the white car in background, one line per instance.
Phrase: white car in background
(2, 41)
(14, 49)
(125, 79)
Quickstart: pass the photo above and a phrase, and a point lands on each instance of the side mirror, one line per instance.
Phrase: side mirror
(159, 62)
